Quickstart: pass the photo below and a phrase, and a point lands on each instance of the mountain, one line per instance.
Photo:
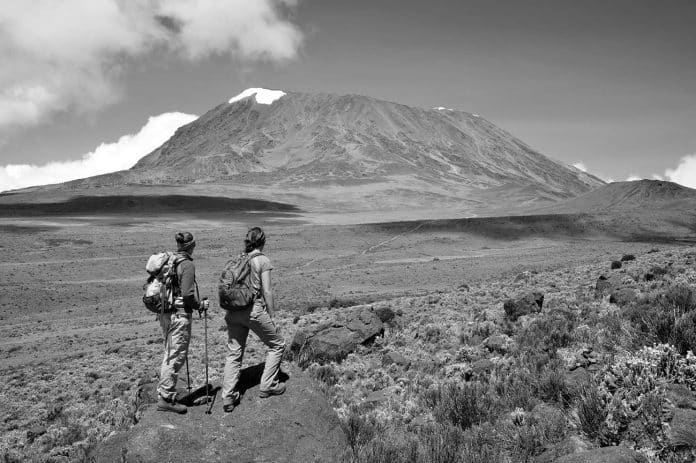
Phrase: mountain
(349, 152)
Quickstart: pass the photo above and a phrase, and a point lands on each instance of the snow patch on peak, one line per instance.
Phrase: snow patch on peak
(442, 108)
(263, 95)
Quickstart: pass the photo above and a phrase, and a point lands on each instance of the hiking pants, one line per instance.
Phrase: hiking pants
(238, 325)
(176, 329)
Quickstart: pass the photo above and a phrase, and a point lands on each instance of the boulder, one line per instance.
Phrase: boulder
(623, 296)
(524, 304)
(617, 454)
(569, 445)
(616, 264)
(297, 426)
(336, 339)
(397, 358)
(499, 343)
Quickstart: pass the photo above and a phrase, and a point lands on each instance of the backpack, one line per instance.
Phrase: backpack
(234, 289)
(159, 288)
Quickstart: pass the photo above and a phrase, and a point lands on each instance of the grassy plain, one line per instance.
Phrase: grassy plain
(78, 348)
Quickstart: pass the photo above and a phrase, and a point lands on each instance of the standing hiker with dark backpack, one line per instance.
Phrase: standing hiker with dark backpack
(246, 295)
(175, 320)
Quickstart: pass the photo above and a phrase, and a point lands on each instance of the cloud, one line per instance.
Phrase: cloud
(68, 55)
(580, 166)
(107, 157)
(684, 173)
(633, 178)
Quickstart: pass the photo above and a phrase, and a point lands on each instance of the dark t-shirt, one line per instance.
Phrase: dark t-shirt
(186, 274)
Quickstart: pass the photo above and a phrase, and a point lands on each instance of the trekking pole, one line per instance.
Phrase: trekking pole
(205, 341)
(188, 377)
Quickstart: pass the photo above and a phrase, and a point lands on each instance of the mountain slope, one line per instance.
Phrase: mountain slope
(348, 153)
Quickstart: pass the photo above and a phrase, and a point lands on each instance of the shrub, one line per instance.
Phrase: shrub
(547, 334)
(684, 333)
(325, 374)
(627, 257)
(359, 429)
(592, 412)
(461, 405)
(680, 298)
(615, 264)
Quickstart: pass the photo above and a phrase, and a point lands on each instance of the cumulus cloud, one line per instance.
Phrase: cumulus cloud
(684, 173)
(68, 55)
(107, 157)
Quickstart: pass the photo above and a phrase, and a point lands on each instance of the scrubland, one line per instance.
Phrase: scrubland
(452, 378)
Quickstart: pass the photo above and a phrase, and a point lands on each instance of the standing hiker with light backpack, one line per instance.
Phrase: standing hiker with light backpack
(246, 295)
(172, 293)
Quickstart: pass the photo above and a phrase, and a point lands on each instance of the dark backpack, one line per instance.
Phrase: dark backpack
(235, 290)
(162, 282)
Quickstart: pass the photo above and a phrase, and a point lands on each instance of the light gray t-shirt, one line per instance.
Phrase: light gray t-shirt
(259, 264)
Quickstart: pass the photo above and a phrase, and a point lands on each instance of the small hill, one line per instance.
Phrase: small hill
(638, 195)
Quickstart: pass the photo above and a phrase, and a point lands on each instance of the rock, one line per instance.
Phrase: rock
(680, 396)
(297, 426)
(649, 276)
(682, 431)
(377, 397)
(397, 358)
(385, 313)
(623, 296)
(568, 446)
(523, 304)
(499, 343)
(602, 286)
(627, 257)
(617, 454)
(616, 265)
(35, 431)
(335, 340)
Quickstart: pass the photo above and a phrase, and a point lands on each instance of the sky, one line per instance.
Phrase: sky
(90, 86)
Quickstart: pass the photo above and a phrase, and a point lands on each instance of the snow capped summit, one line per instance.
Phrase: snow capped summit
(263, 96)
(442, 108)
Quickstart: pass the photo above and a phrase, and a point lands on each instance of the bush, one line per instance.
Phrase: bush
(461, 405)
(547, 334)
(615, 265)
(627, 257)
(684, 333)
(592, 412)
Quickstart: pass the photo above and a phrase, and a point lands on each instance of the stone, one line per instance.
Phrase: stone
(524, 304)
(397, 358)
(499, 343)
(623, 296)
(385, 314)
(618, 454)
(335, 340)
(568, 446)
(680, 396)
(297, 426)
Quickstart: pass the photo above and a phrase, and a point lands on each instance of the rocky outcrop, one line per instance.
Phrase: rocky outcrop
(617, 454)
(524, 304)
(298, 426)
(334, 340)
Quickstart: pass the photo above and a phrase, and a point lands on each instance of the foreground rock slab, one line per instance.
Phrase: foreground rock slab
(299, 426)
(334, 340)
(617, 454)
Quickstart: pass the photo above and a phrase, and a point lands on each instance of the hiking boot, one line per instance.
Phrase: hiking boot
(164, 405)
(229, 403)
(278, 389)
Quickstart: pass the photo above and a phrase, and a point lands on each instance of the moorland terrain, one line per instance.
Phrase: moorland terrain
(78, 347)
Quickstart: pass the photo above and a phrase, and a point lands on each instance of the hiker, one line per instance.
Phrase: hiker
(176, 323)
(259, 318)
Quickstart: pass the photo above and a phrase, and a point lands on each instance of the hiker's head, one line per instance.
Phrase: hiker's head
(255, 239)
(185, 242)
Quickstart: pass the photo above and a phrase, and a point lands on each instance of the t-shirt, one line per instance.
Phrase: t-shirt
(259, 264)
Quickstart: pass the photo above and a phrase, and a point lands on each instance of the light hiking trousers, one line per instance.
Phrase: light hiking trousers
(176, 329)
(239, 323)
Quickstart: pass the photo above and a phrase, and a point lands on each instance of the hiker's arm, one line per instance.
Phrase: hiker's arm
(267, 292)
(187, 283)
